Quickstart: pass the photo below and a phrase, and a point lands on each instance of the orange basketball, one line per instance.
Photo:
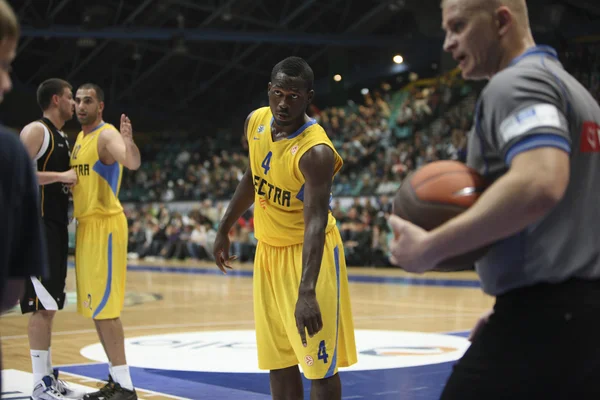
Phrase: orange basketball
(437, 192)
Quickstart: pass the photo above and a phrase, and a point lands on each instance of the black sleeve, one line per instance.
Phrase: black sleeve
(28, 254)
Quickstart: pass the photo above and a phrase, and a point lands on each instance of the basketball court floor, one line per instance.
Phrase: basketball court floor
(189, 334)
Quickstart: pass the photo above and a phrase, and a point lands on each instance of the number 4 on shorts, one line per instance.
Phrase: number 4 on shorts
(322, 355)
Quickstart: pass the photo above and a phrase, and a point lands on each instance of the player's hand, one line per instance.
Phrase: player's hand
(408, 248)
(221, 252)
(126, 129)
(480, 324)
(308, 315)
(69, 177)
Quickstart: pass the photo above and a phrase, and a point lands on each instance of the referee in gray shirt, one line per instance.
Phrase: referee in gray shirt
(536, 137)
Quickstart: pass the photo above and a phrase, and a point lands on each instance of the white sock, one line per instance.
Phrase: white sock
(50, 369)
(122, 377)
(110, 370)
(39, 364)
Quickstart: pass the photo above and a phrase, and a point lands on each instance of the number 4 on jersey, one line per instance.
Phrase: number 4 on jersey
(322, 354)
(266, 164)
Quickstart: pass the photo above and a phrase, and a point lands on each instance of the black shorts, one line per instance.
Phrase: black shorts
(541, 342)
(49, 294)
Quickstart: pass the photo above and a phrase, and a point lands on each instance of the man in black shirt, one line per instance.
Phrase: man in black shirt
(22, 250)
(48, 147)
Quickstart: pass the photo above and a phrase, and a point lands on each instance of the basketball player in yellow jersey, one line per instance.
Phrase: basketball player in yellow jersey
(300, 280)
(98, 157)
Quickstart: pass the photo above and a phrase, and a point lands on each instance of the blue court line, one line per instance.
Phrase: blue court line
(385, 280)
(464, 334)
(412, 383)
(174, 383)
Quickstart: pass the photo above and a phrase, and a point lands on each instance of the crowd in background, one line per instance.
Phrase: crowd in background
(381, 140)
(583, 61)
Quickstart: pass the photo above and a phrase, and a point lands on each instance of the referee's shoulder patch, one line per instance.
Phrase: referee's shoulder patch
(532, 117)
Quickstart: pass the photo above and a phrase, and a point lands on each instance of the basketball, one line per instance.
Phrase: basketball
(435, 193)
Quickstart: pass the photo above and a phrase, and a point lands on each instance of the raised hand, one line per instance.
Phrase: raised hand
(126, 129)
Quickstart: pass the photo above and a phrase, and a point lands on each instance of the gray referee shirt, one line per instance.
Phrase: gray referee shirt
(535, 103)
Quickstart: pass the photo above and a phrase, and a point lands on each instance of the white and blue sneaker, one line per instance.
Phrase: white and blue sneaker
(64, 388)
(46, 390)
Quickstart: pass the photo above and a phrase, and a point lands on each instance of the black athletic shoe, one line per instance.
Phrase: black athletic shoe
(120, 393)
(103, 392)
(113, 391)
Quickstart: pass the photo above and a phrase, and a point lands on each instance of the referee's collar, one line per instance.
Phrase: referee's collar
(536, 50)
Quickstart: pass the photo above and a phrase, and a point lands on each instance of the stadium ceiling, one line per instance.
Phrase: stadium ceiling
(189, 60)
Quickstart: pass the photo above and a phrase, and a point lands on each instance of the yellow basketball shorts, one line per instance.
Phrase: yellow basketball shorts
(277, 275)
(101, 266)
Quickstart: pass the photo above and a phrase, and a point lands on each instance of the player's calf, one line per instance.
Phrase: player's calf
(40, 329)
(39, 333)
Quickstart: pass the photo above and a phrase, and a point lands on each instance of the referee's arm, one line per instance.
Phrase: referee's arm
(525, 119)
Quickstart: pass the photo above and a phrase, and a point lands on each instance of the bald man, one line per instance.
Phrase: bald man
(536, 138)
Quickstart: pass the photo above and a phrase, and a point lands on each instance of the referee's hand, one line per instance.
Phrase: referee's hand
(480, 324)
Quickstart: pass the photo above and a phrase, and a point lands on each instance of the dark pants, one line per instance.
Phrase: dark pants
(541, 342)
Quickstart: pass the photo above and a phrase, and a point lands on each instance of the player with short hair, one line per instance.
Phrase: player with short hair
(49, 148)
(535, 136)
(300, 279)
(98, 157)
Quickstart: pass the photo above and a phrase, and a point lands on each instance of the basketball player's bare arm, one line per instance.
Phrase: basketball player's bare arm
(32, 137)
(242, 199)
(534, 184)
(120, 147)
(317, 165)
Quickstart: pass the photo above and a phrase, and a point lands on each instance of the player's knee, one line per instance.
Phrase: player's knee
(45, 314)
(286, 383)
(327, 380)
(284, 372)
(104, 320)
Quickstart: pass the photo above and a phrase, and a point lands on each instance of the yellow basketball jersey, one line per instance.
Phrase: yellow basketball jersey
(97, 190)
(278, 181)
